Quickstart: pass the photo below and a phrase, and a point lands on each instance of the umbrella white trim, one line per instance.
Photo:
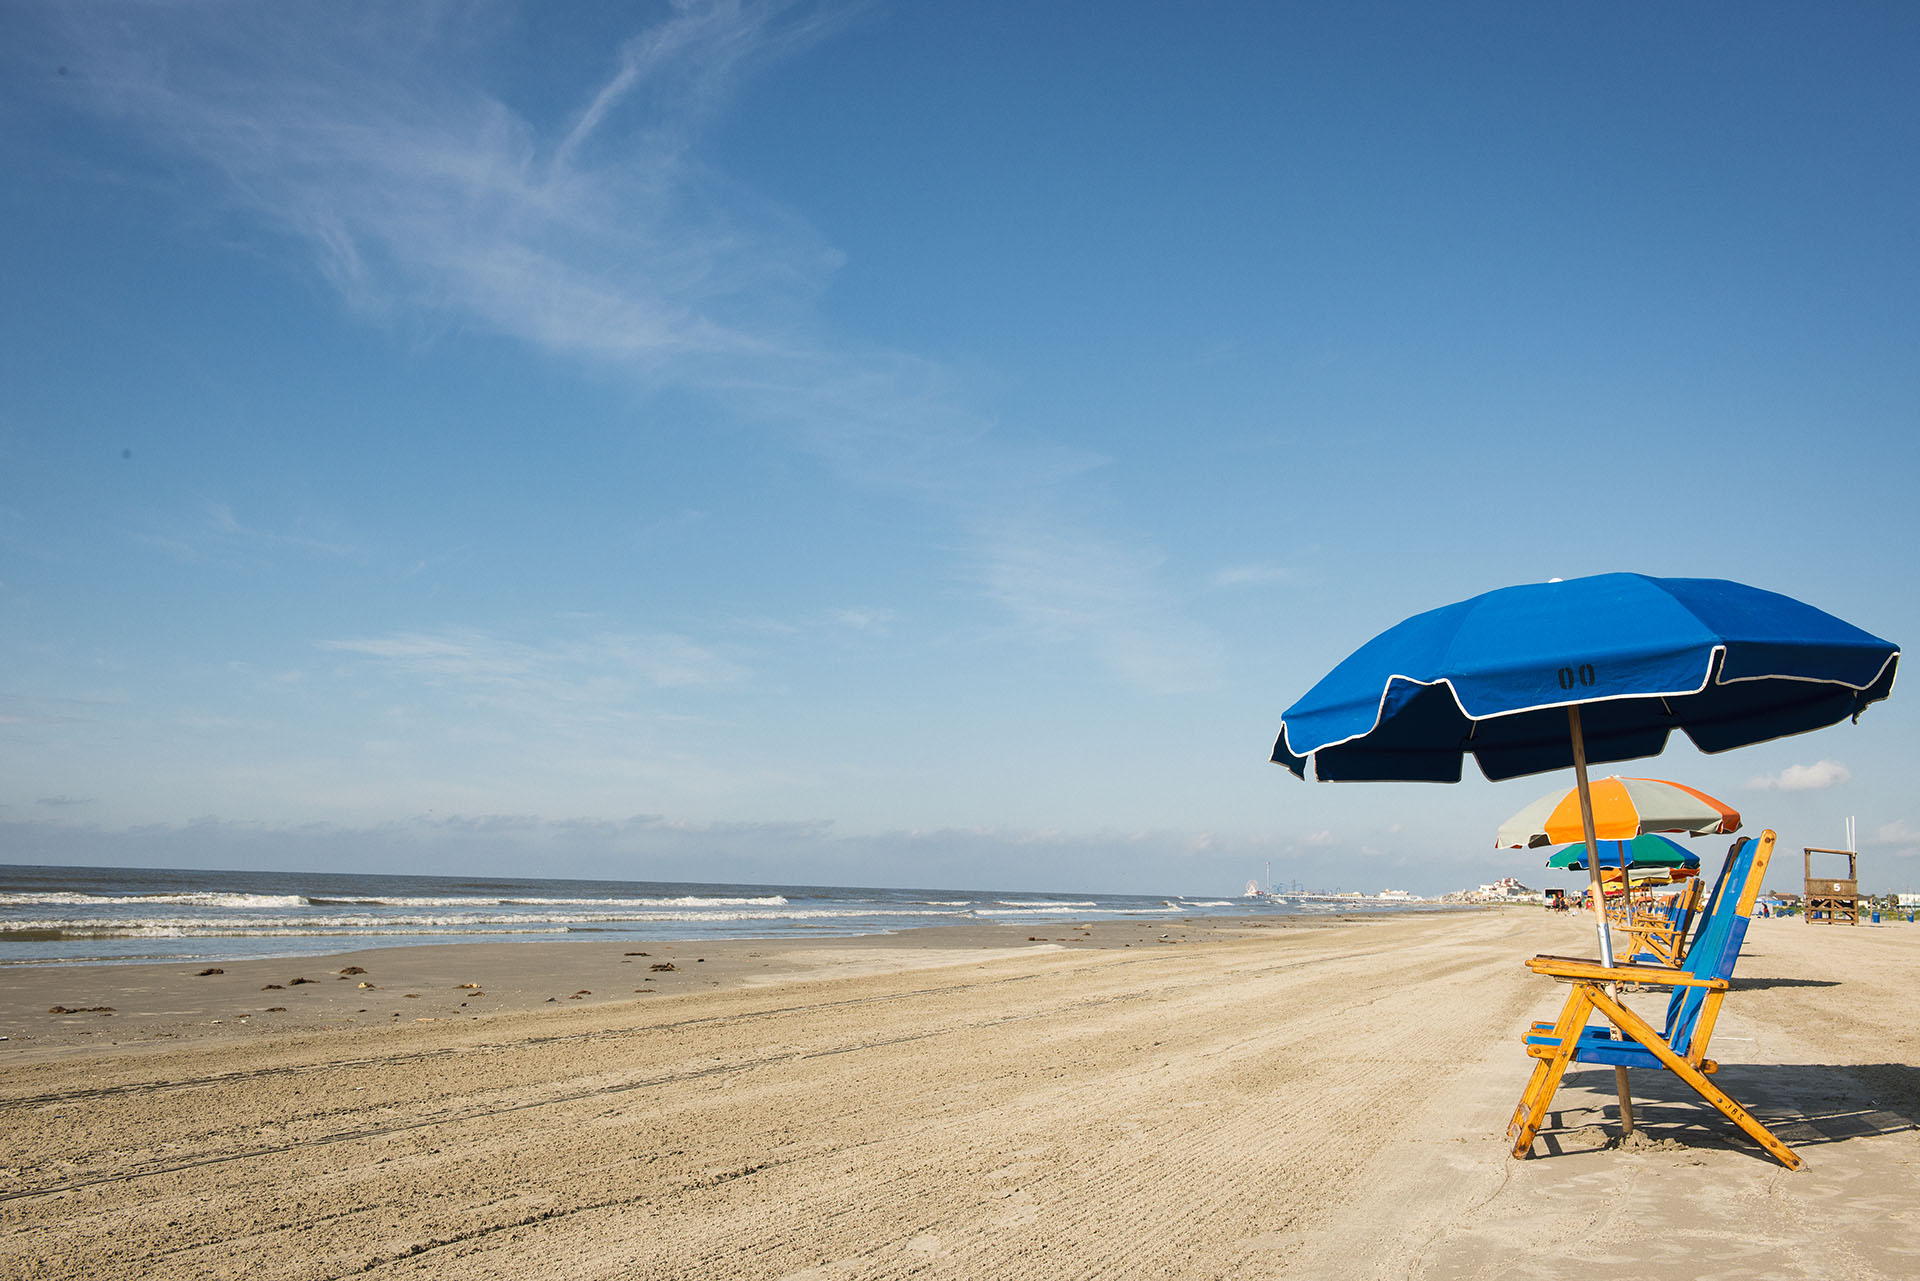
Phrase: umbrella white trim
(1892, 658)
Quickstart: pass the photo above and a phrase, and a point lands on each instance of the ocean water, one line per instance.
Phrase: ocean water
(84, 915)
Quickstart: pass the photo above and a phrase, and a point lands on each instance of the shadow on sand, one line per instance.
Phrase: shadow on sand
(1806, 1104)
(1761, 985)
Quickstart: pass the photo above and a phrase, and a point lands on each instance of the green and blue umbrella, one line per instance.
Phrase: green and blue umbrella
(1645, 850)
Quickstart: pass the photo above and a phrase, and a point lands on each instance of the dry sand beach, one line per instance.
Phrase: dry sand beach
(1311, 1098)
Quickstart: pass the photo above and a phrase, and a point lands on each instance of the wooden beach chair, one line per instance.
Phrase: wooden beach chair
(1698, 987)
(1659, 937)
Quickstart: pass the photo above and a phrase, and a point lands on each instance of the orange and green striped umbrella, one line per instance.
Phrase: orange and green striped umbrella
(1623, 808)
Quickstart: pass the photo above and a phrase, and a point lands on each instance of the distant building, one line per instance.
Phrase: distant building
(1507, 888)
(1504, 890)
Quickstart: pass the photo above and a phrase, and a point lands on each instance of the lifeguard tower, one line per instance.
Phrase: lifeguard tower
(1832, 900)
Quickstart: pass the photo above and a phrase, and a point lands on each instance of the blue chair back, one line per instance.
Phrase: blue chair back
(1716, 946)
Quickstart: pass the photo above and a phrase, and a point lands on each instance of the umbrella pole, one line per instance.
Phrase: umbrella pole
(1598, 895)
(1626, 891)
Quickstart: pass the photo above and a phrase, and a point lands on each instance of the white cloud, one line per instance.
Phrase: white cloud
(1253, 575)
(863, 618)
(418, 191)
(1898, 832)
(228, 526)
(590, 669)
(219, 534)
(1803, 778)
(1066, 583)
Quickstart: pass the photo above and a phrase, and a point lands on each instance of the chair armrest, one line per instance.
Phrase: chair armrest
(1573, 967)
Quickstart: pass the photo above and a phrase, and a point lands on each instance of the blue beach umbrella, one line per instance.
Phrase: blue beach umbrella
(1492, 677)
(1549, 675)
(1546, 675)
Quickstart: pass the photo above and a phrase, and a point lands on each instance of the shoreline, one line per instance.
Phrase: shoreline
(121, 1004)
(109, 916)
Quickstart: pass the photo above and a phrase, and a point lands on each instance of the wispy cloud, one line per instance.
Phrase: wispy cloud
(431, 201)
(217, 533)
(230, 527)
(873, 620)
(1803, 778)
(420, 193)
(591, 669)
(1253, 576)
(1069, 584)
(1898, 832)
(576, 720)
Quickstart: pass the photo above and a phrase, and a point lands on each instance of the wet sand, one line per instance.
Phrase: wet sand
(1320, 1098)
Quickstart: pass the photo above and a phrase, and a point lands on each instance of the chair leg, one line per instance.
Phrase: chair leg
(1561, 1031)
(1527, 1095)
(1536, 1113)
(1548, 1071)
(1637, 1028)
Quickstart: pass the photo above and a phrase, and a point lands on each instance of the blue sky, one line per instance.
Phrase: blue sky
(908, 444)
